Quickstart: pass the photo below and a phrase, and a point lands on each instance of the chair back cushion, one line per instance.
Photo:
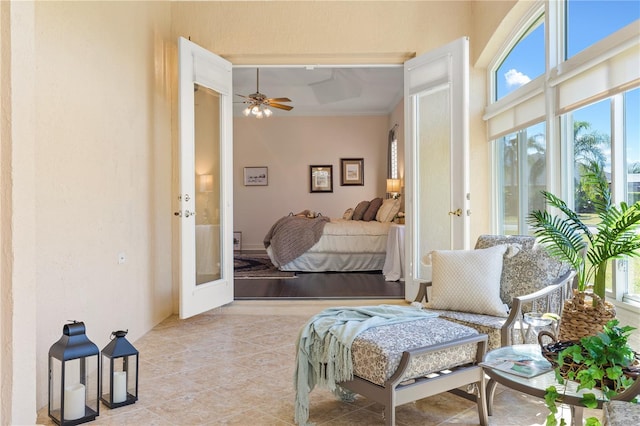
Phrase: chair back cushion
(530, 270)
(468, 281)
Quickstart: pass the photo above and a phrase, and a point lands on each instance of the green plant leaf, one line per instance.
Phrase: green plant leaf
(551, 420)
(589, 400)
(592, 421)
(614, 372)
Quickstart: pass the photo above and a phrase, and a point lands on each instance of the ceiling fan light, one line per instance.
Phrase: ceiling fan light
(267, 112)
(246, 111)
(255, 110)
(259, 114)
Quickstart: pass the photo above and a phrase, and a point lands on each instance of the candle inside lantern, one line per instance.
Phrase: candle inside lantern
(119, 386)
(74, 401)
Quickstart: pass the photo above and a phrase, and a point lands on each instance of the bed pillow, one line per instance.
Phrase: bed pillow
(358, 212)
(372, 210)
(388, 210)
(468, 281)
(348, 214)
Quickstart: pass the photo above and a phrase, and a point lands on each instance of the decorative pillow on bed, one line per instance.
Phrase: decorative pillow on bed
(372, 210)
(468, 281)
(388, 210)
(358, 212)
(348, 214)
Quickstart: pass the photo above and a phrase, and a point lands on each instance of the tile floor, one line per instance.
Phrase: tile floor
(226, 367)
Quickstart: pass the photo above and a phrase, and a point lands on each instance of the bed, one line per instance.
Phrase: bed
(357, 242)
(344, 245)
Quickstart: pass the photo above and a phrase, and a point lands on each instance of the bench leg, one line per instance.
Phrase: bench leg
(482, 401)
(390, 408)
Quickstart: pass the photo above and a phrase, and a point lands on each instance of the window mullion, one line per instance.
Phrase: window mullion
(555, 35)
(618, 184)
(523, 187)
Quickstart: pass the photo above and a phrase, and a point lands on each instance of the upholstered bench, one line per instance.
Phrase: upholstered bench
(402, 362)
(620, 413)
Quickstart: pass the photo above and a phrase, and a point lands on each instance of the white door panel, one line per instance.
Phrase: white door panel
(205, 173)
(436, 152)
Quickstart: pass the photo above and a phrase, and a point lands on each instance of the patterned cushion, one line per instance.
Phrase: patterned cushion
(468, 281)
(376, 352)
(530, 270)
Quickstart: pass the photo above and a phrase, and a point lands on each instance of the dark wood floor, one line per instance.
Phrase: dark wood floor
(330, 285)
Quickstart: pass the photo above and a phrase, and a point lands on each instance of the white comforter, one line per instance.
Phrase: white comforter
(353, 236)
(345, 245)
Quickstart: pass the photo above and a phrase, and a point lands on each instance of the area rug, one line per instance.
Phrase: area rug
(257, 266)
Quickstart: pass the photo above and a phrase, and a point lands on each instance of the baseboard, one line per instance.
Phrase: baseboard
(298, 307)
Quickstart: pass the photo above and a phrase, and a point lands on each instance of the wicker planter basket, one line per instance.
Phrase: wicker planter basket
(551, 351)
(580, 318)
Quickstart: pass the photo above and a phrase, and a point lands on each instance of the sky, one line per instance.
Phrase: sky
(588, 22)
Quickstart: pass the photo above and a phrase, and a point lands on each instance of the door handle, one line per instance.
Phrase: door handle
(187, 213)
(458, 212)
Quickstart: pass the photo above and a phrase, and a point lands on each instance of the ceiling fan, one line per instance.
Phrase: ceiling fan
(258, 104)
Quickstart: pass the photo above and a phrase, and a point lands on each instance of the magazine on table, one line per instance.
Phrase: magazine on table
(520, 365)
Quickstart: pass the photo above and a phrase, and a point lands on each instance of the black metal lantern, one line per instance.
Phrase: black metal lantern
(74, 374)
(119, 372)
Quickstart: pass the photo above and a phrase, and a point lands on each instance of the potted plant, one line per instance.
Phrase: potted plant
(603, 361)
(570, 240)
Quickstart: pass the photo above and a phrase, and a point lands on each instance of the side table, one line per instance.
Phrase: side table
(534, 386)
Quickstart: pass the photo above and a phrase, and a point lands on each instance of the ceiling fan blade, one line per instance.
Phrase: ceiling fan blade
(278, 100)
(243, 96)
(280, 106)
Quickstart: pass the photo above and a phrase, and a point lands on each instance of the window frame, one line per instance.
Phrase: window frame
(555, 83)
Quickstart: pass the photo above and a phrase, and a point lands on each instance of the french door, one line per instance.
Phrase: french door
(436, 96)
(205, 195)
(436, 165)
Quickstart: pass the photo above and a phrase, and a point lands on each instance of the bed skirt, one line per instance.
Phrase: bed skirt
(335, 262)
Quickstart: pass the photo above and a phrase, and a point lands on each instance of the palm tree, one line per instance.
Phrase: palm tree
(567, 238)
(586, 144)
(537, 165)
(587, 148)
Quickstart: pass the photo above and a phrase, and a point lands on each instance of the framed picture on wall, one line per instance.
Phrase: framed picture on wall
(256, 176)
(321, 178)
(352, 171)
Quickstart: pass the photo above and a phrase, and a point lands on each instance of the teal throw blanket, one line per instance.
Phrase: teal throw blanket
(324, 346)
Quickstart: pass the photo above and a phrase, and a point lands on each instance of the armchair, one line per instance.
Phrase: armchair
(530, 280)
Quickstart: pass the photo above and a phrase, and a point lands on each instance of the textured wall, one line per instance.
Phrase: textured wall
(94, 150)
(103, 170)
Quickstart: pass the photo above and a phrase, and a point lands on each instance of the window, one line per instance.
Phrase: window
(582, 28)
(523, 168)
(524, 62)
(591, 141)
(588, 103)
(393, 151)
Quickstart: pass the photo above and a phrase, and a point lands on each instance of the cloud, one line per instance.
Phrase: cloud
(516, 78)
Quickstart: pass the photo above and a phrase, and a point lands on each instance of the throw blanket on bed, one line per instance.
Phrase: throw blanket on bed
(291, 236)
(324, 347)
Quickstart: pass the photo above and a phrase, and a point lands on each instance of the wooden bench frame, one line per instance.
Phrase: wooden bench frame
(394, 394)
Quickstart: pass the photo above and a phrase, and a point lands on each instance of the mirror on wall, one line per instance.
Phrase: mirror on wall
(207, 183)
